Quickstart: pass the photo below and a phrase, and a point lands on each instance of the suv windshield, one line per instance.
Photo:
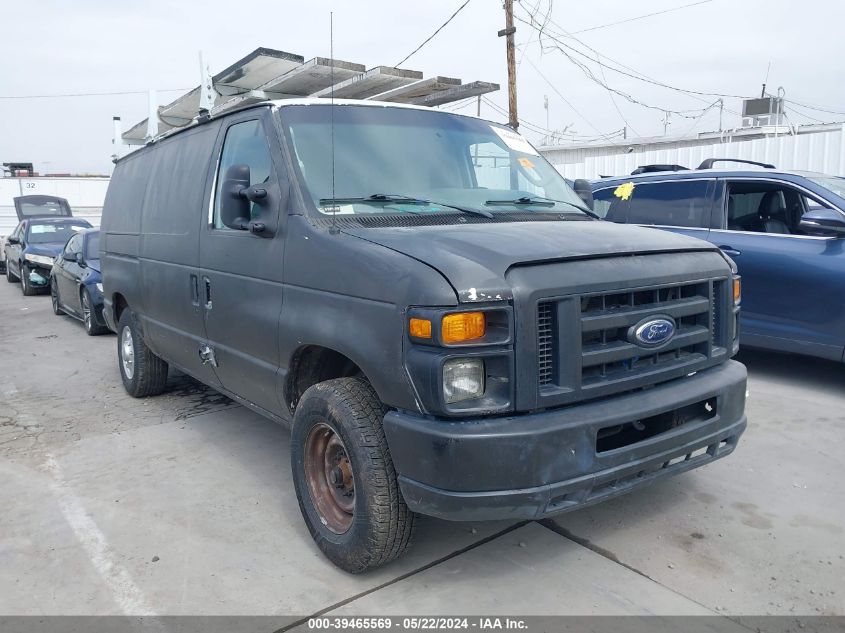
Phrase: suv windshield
(402, 160)
(52, 232)
(835, 184)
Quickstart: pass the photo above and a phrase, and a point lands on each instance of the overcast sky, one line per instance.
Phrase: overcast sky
(720, 46)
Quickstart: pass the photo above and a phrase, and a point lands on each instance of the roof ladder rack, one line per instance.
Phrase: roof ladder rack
(267, 74)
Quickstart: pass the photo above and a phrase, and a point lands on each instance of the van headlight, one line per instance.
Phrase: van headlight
(44, 260)
(463, 379)
(99, 287)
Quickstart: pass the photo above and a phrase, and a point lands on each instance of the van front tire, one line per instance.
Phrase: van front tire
(344, 476)
(143, 373)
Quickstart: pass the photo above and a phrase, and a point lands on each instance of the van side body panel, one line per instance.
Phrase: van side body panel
(350, 295)
(120, 233)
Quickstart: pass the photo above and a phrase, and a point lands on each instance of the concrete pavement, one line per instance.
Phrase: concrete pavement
(183, 504)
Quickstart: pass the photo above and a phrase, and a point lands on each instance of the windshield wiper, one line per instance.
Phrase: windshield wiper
(389, 198)
(540, 201)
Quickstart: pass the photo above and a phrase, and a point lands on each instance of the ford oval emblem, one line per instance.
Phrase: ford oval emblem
(653, 332)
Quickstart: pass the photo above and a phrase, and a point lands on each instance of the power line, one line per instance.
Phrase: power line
(537, 129)
(814, 108)
(90, 94)
(430, 37)
(638, 76)
(564, 99)
(641, 17)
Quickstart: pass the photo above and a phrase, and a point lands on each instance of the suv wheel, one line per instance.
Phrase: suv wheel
(92, 328)
(26, 285)
(344, 477)
(9, 276)
(54, 297)
(143, 373)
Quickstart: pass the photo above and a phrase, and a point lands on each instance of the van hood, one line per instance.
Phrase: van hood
(475, 257)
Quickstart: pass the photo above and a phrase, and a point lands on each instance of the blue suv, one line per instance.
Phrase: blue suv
(784, 229)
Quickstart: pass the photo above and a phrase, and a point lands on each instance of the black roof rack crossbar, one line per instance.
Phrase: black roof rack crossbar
(645, 169)
(708, 164)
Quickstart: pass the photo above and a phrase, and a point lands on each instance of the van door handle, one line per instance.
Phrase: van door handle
(195, 291)
(728, 250)
(207, 284)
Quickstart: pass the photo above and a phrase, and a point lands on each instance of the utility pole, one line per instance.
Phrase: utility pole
(508, 32)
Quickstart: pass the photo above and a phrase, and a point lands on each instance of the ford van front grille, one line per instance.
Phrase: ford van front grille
(545, 343)
(605, 353)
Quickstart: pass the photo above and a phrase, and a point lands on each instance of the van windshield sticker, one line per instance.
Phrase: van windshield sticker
(624, 191)
(337, 209)
(526, 162)
(515, 141)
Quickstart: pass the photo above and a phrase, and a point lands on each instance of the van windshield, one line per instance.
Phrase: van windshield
(402, 160)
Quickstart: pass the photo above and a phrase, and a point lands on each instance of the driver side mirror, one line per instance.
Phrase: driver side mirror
(70, 257)
(237, 198)
(585, 191)
(821, 220)
(14, 240)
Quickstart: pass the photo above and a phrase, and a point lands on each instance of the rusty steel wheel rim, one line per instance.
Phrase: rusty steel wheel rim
(328, 472)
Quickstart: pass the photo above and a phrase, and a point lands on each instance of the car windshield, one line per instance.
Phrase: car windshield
(92, 246)
(402, 160)
(52, 232)
(836, 184)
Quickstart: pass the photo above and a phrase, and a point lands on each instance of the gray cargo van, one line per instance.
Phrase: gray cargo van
(440, 320)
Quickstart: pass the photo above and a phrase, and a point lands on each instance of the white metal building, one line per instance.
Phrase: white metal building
(818, 147)
(84, 194)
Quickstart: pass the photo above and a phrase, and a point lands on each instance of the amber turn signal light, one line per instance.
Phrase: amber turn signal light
(463, 326)
(737, 289)
(420, 328)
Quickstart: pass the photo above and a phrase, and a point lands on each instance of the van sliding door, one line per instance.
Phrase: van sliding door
(174, 202)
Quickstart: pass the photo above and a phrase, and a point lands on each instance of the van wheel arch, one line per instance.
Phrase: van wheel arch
(313, 364)
(119, 304)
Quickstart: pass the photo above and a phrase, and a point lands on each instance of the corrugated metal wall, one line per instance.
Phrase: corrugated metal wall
(822, 151)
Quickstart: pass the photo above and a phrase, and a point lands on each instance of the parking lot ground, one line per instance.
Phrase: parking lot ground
(183, 504)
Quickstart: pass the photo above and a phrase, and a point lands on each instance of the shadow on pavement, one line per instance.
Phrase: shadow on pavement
(800, 371)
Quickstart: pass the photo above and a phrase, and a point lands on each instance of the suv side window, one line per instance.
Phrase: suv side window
(609, 206)
(245, 144)
(766, 207)
(671, 203)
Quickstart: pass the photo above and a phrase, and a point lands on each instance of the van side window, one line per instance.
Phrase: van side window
(245, 144)
(608, 206)
(676, 203)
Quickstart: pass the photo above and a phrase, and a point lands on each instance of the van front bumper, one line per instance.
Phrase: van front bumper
(541, 464)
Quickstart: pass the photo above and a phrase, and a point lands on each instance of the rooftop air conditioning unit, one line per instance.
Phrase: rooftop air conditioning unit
(763, 111)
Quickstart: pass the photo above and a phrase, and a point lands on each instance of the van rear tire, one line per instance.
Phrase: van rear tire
(143, 373)
(337, 440)
(9, 276)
